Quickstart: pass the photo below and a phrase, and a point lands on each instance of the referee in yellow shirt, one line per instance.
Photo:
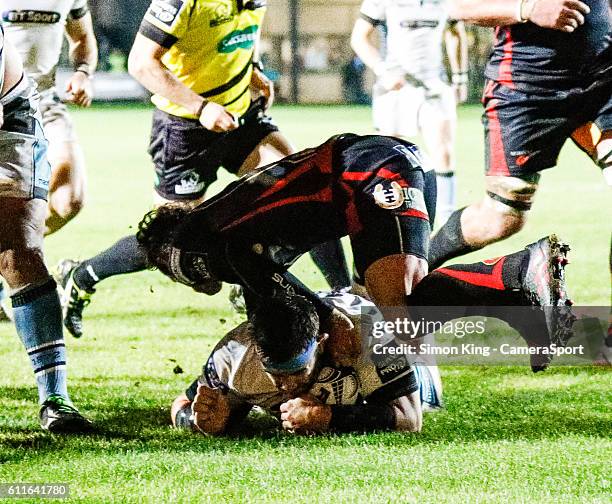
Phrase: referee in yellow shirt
(199, 59)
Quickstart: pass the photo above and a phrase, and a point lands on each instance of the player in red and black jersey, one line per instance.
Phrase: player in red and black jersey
(374, 189)
(549, 79)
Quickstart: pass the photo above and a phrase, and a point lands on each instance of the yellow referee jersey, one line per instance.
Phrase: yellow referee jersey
(210, 47)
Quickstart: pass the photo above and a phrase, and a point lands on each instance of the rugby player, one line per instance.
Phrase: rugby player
(200, 61)
(298, 381)
(375, 189)
(410, 95)
(549, 79)
(37, 30)
(24, 183)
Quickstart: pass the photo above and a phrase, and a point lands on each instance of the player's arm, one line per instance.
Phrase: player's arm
(455, 39)
(564, 15)
(308, 414)
(259, 81)
(83, 51)
(146, 66)
(209, 406)
(368, 52)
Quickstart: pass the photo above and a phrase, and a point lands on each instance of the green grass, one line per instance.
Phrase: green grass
(505, 436)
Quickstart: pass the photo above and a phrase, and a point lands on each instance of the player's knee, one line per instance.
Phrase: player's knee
(68, 205)
(21, 266)
(510, 198)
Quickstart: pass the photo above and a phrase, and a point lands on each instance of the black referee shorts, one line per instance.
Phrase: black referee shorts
(187, 156)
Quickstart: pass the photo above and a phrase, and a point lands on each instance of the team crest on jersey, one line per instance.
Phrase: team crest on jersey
(389, 197)
(336, 386)
(165, 11)
(31, 16)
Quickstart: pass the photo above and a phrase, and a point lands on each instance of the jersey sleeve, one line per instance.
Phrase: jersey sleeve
(79, 9)
(384, 378)
(373, 11)
(221, 367)
(166, 21)
(265, 279)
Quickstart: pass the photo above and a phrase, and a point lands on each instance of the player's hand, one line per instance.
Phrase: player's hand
(563, 15)
(391, 81)
(215, 117)
(211, 410)
(344, 343)
(461, 92)
(305, 414)
(80, 89)
(263, 86)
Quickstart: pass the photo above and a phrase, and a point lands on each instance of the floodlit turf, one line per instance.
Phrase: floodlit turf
(505, 436)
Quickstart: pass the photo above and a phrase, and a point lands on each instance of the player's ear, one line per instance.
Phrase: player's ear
(322, 338)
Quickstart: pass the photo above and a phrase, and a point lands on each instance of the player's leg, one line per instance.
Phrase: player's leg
(178, 149)
(67, 186)
(437, 120)
(595, 138)
(534, 130)
(531, 277)
(25, 174)
(394, 213)
(328, 257)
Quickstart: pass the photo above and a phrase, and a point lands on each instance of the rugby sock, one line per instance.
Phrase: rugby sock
(125, 256)
(494, 282)
(447, 195)
(38, 319)
(329, 258)
(448, 242)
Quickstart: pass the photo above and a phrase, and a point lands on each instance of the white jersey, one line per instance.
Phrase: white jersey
(235, 367)
(415, 32)
(36, 29)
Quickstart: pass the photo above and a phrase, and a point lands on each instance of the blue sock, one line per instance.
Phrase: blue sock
(38, 319)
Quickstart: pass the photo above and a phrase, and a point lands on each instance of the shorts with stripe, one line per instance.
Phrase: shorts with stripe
(24, 168)
(525, 131)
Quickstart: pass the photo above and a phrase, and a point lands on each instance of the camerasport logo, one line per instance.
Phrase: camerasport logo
(165, 11)
(31, 16)
(239, 39)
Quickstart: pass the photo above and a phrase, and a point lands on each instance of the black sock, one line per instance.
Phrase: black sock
(125, 256)
(448, 242)
(494, 282)
(329, 258)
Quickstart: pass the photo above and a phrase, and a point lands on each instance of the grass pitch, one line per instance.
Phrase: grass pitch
(505, 436)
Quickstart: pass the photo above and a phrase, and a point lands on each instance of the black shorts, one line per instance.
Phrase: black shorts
(381, 225)
(524, 132)
(187, 156)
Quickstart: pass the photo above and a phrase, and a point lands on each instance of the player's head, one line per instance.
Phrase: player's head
(286, 332)
(156, 233)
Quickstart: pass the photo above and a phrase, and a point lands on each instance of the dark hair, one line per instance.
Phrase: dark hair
(284, 326)
(156, 233)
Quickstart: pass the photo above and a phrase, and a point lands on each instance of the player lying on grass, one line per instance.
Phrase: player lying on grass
(279, 362)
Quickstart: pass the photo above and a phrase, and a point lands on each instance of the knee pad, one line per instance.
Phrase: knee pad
(514, 192)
